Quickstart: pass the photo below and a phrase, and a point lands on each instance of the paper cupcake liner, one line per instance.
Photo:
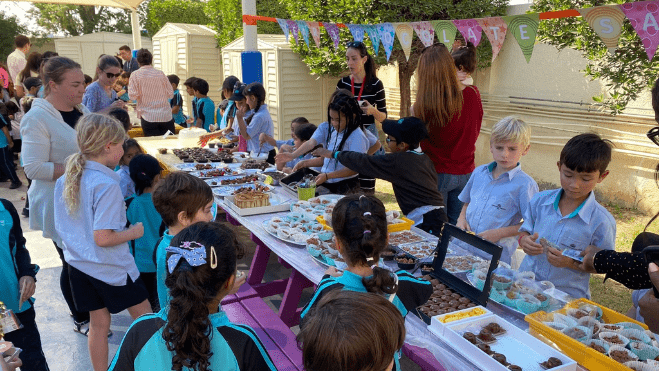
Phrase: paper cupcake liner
(617, 347)
(578, 314)
(635, 326)
(601, 343)
(593, 309)
(511, 302)
(639, 366)
(617, 328)
(643, 351)
(524, 275)
(654, 364)
(591, 323)
(497, 296)
(556, 326)
(605, 334)
(562, 318)
(587, 333)
(636, 335)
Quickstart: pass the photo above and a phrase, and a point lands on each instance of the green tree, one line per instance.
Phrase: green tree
(9, 27)
(226, 18)
(328, 61)
(160, 12)
(625, 73)
(76, 20)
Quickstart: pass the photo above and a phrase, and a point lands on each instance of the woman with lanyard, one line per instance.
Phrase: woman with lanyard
(369, 91)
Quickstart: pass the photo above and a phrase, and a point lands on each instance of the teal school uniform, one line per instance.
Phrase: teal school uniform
(206, 112)
(139, 208)
(160, 259)
(14, 258)
(177, 100)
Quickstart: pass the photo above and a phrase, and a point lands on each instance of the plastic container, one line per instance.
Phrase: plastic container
(391, 228)
(438, 326)
(304, 194)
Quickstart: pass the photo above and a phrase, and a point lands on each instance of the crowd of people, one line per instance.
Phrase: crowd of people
(129, 239)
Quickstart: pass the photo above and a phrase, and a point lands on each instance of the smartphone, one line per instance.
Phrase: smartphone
(652, 256)
(573, 254)
(13, 357)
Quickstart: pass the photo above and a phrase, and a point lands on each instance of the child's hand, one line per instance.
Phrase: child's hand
(321, 178)
(118, 103)
(323, 152)
(240, 113)
(283, 158)
(557, 259)
(27, 284)
(491, 235)
(241, 277)
(588, 259)
(530, 247)
(136, 230)
(462, 224)
(332, 271)
(262, 138)
(299, 165)
(286, 148)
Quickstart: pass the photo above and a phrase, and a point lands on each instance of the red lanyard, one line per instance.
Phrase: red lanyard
(352, 87)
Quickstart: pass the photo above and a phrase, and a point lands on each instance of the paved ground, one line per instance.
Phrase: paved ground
(65, 349)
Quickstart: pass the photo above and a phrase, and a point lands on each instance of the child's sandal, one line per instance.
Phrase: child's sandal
(83, 328)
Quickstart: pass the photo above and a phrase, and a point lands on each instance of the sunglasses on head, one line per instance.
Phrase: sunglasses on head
(355, 44)
(112, 75)
(653, 135)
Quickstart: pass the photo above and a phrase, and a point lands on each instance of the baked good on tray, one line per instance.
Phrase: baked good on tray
(246, 200)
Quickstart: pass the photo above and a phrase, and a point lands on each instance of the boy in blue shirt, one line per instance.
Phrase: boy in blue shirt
(176, 102)
(188, 89)
(17, 284)
(205, 106)
(569, 217)
(498, 193)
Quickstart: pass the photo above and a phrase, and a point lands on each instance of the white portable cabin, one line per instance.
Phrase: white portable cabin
(86, 49)
(291, 89)
(188, 50)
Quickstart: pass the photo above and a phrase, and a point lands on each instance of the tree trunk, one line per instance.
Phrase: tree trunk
(404, 79)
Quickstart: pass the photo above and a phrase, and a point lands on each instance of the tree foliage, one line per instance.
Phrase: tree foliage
(226, 18)
(76, 20)
(9, 27)
(328, 61)
(625, 73)
(160, 12)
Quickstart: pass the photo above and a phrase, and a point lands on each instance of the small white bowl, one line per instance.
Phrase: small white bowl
(255, 155)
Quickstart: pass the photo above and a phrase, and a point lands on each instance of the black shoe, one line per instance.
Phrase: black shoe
(15, 185)
(26, 212)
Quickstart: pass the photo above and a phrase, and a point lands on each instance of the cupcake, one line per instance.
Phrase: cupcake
(590, 323)
(527, 304)
(636, 335)
(556, 325)
(643, 350)
(578, 333)
(621, 354)
(639, 366)
(598, 345)
(614, 338)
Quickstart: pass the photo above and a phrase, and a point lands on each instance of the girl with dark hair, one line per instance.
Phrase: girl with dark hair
(126, 183)
(193, 333)
(31, 70)
(145, 172)
(360, 228)
(100, 95)
(301, 134)
(256, 121)
(225, 120)
(465, 62)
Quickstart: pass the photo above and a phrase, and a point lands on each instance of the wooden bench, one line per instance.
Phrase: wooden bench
(275, 335)
(246, 291)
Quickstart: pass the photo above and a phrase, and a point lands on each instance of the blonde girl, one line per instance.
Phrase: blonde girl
(90, 217)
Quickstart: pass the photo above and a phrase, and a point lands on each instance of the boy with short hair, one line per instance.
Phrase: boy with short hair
(176, 102)
(569, 217)
(181, 200)
(205, 107)
(188, 89)
(410, 171)
(498, 193)
(284, 145)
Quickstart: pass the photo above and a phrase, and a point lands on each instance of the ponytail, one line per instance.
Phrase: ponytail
(75, 164)
(143, 170)
(257, 90)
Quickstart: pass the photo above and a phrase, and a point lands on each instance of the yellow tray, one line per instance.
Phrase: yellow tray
(408, 223)
(584, 355)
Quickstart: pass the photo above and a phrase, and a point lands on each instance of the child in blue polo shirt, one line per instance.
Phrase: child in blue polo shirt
(181, 200)
(569, 217)
(176, 102)
(16, 272)
(205, 106)
(498, 193)
(191, 121)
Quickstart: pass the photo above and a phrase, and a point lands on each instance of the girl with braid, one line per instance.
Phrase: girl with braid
(360, 228)
(193, 333)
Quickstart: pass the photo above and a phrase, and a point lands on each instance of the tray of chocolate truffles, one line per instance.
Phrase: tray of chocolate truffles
(492, 344)
(197, 155)
(453, 292)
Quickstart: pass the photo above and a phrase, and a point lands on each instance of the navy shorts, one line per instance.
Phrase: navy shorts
(91, 294)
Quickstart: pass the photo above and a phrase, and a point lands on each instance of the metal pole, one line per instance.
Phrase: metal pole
(137, 36)
(249, 32)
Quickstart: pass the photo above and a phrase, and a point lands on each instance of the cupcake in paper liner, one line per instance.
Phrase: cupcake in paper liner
(643, 351)
(527, 304)
(479, 279)
(497, 295)
(633, 325)
(593, 310)
(614, 338)
(313, 250)
(653, 363)
(622, 354)
(502, 278)
(610, 327)
(562, 318)
(597, 345)
(325, 236)
(546, 286)
(591, 323)
(524, 275)
(556, 326)
(511, 298)
(543, 298)
(578, 313)
(578, 333)
(636, 335)
(639, 366)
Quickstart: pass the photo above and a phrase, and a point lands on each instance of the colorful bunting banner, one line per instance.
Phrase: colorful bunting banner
(386, 33)
(405, 34)
(606, 21)
(304, 30)
(445, 31)
(373, 34)
(283, 24)
(314, 29)
(524, 27)
(357, 32)
(292, 27)
(495, 30)
(425, 32)
(333, 32)
(470, 30)
(643, 16)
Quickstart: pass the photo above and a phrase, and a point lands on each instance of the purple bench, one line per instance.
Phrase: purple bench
(246, 291)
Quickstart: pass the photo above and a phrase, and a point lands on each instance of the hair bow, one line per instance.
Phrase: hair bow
(195, 256)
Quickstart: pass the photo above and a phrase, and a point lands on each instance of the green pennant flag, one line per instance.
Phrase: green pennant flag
(524, 27)
(445, 31)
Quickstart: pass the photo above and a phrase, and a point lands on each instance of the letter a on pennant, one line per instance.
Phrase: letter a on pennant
(643, 16)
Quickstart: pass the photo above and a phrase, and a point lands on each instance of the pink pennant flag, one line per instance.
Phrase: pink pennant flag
(425, 31)
(470, 30)
(333, 32)
(495, 29)
(314, 29)
(292, 26)
(643, 16)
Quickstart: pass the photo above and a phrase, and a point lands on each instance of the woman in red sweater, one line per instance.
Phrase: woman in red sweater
(453, 113)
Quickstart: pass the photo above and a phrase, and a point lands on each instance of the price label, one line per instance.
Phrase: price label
(268, 180)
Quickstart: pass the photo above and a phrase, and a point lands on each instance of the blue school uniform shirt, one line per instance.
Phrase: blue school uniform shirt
(177, 100)
(234, 347)
(229, 112)
(356, 142)
(140, 209)
(160, 259)
(497, 203)
(589, 224)
(261, 123)
(279, 143)
(194, 109)
(126, 184)
(4, 124)
(206, 112)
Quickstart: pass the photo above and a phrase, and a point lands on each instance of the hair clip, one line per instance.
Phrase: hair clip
(213, 258)
(368, 213)
(361, 196)
(194, 255)
(367, 231)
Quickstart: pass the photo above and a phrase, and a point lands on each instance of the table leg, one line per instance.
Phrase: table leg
(259, 261)
(423, 358)
(288, 311)
(231, 220)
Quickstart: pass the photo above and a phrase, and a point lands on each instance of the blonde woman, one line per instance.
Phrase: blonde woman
(90, 217)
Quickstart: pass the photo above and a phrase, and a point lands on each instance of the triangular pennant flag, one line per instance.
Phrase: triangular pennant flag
(357, 32)
(470, 30)
(314, 29)
(405, 33)
(524, 27)
(284, 26)
(606, 21)
(425, 32)
(333, 32)
(386, 33)
(304, 30)
(373, 34)
(643, 16)
(445, 31)
(495, 30)
(292, 27)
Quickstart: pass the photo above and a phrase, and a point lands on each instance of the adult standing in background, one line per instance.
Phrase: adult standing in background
(100, 95)
(152, 91)
(49, 137)
(16, 61)
(454, 114)
(31, 69)
(130, 63)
